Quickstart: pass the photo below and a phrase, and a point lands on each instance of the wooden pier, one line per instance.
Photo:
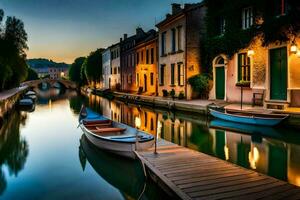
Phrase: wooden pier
(189, 174)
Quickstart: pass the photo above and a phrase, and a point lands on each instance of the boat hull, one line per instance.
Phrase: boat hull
(246, 120)
(126, 149)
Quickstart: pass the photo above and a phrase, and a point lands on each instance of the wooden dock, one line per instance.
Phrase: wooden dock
(189, 174)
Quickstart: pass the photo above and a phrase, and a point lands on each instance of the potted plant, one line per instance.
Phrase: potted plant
(172, 94)
(165, 93)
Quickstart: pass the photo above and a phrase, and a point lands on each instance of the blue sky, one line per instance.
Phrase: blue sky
(65, 29)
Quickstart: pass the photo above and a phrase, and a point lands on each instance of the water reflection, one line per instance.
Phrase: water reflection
(13, 148)
(111, 168)
(266, 150)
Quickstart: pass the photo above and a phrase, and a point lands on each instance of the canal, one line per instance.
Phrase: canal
(43, 154)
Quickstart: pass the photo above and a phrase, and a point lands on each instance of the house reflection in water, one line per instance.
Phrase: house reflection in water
(274, 157)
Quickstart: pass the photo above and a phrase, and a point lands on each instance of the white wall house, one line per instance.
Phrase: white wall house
(106, 68)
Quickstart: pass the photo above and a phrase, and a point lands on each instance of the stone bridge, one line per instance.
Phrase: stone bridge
(66, 83)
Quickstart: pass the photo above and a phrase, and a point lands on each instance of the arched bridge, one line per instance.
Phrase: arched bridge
(66, 83)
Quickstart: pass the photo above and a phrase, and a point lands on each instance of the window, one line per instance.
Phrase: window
(147, 56)
(146, 119)
(172, 74)
(132, 59)
(137, 58)
(137, 79)
(142, 58)
(180, 74)
(129, 79)
(247, 17)
(152, 55)
(173, 40)
(162, 75)
(179, 32)
(163, 43)
(151, 79)
(243, 67)
(280, 7)
(221, 25)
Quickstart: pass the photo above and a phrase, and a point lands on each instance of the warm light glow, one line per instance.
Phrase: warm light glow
(250, 53)
(50, 105)
(294, 48)
(159, 126)
(298, 53)
(226, 150)
(138, 122)
(253, 157)
(62, 74)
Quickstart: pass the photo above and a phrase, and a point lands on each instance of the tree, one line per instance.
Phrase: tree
(32, 75)
(75, 71)
(13, 43)
(92, 67)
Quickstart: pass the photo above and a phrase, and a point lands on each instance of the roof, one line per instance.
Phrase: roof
(183, 11)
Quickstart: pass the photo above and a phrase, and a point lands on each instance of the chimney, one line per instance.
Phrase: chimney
(176, 8)
(125, 36)
(121, 39)
(139, 31)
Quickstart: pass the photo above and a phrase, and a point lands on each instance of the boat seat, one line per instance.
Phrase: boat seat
(94, 125)
(108, 130)
(97, 122)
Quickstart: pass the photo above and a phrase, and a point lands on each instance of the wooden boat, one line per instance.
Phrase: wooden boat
(112, 136)
(26, 105)
(248, 117)
(124, 174)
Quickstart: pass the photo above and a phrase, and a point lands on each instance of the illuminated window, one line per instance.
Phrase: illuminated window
(243, 67)
(180, 74)
(247, 17)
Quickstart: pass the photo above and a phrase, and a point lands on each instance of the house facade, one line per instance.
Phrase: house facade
(268, 71)
(128, 60)
(106, 68)
(57, 72)
(146, 64)
(179, 48)
(115, 77)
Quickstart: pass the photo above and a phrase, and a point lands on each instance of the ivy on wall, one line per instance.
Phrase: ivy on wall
(269, 23)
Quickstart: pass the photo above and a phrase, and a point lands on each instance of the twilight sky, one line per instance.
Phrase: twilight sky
(62, 30)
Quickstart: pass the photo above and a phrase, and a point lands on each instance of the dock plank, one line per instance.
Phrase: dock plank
(193, 175)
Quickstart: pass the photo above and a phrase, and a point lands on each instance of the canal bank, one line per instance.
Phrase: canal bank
(196, 106)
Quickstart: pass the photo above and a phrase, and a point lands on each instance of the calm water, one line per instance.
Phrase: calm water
(43, 155)
(271, 151)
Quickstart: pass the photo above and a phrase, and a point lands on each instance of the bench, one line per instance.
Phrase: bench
(97, 122)
(109, 130)
(258, 99)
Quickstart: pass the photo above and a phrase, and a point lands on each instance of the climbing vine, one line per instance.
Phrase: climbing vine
(269, 23)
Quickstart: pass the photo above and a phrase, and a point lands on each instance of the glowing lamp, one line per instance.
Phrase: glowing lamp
(294, 48)
(137, 122)
(250, 53)
(298, 54)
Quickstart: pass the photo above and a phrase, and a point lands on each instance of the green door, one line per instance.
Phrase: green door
(278, 73)
(220, 83)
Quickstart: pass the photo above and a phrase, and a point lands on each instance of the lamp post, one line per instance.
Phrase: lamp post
(137, 121)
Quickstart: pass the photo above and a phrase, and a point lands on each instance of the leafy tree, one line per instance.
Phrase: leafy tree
(32, 75)
(92, 67)
(75, 71)
(13, 38)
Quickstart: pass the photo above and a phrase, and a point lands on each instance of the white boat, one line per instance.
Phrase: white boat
(112, 136)
(30, 93)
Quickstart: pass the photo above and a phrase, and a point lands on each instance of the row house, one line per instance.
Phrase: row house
(57, 72)
(106, 68)
(146, 64)
(180, 35)
(270, 72)
(128, 60)
(115, 77)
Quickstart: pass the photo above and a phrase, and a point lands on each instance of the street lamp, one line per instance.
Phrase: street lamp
(294, 48)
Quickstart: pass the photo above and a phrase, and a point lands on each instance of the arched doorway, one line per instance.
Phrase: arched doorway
(219, 77)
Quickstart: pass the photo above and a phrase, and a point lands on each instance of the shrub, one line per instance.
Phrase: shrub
(165, 93)
(200, 84)
(181, 95)
(172, 93)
